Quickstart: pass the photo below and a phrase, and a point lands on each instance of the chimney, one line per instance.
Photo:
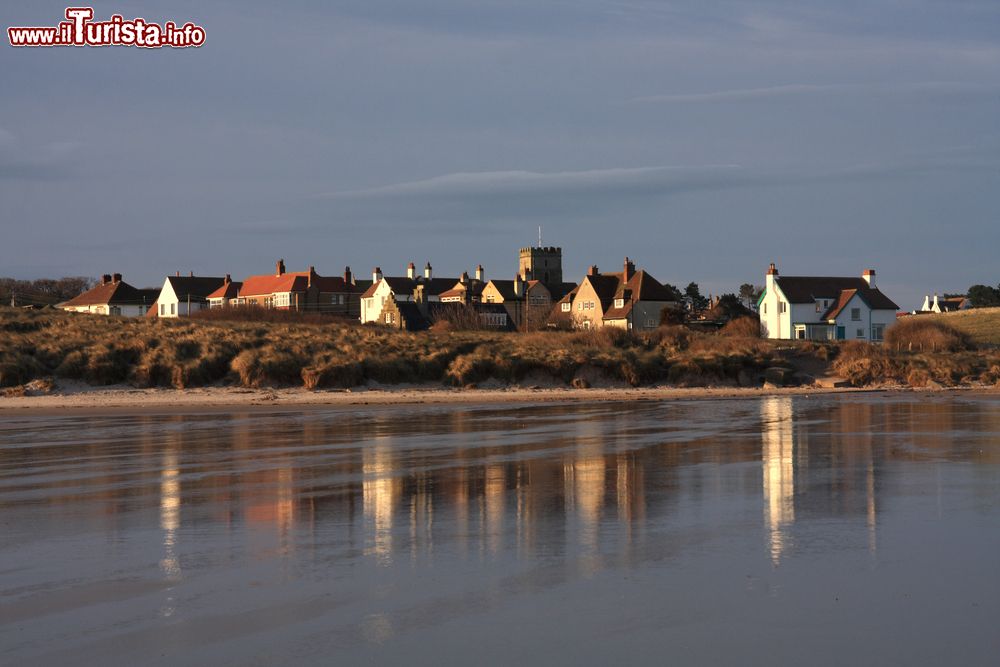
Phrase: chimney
(312, 276)
(116, 277)
(465, 277)
(228, 279)
(518, 286)
(593, 271)
(927, 304)
(411, 271)
(479, 273)
(427, 271)
(376, 275)
(869, 276)
(191, 274)
(936, 307)
(772, 275)
(629, 269)
(177, 274)
(106, 278)
(279, 268)
(348, 278)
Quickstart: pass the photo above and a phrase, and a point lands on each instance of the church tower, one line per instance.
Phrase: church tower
(541, 263)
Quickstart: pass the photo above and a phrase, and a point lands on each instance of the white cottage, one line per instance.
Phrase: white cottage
(824, 308)
(113, 296)
(184, 295)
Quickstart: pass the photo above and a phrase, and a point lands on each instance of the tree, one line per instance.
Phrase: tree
(749, 294)
(675, 293)
(698, 302)
(984, 296)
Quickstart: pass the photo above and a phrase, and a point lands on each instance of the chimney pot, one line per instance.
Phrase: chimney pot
(348, 278)
(116, 278)
(593, 271)
(771, 270)
(106, 278)
(427, 271)
(228, 279)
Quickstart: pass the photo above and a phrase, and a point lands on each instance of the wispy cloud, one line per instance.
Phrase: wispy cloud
(789, 90)
(528, 183)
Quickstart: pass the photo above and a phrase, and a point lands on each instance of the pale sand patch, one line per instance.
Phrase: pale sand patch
(77, 397)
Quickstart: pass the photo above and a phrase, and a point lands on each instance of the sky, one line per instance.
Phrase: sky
(702, 139)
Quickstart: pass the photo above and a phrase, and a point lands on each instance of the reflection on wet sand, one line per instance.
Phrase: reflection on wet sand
(584, 483)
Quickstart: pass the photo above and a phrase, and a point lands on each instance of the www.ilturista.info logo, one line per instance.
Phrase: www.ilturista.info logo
(80, 30)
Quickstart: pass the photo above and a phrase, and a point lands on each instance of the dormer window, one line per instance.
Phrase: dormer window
(619, 303)
(566, 307)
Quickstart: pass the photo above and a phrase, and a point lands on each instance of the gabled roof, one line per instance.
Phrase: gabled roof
(559, 290)
(197, 287)
(870, 296)
(605, 285)
(404, 285)
(228, 290)
(505, 288)
(297, 281)
(113, 293)
(806, 289)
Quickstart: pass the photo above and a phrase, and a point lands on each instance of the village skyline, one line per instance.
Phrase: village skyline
(704, 140)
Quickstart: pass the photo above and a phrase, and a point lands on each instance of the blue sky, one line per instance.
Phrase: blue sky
(702, 139)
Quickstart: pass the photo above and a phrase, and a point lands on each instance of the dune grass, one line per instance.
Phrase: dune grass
(982, 325)
(150, 352)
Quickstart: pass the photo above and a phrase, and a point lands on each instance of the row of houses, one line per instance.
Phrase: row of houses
(800, 307)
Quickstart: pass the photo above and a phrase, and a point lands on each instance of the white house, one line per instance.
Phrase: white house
(112, 296)
(183, 295)
(824, 308)
(401, 290)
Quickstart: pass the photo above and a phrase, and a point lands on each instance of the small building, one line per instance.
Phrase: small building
(227, 295)
(946, 304)
(300, 291)
(408, 288)
(631, 300)
(181, 296)
(824, 308)
(112, 296)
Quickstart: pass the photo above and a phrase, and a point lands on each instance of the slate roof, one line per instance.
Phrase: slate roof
(113, 293)
(197, 287)
(806, 289)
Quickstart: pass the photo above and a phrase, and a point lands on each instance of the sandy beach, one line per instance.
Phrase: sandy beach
(77, 397)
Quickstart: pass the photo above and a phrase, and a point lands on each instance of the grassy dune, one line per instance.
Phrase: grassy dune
(324, 354)
(981, 324)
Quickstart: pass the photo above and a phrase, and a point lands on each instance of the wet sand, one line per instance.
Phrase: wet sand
(125, 399)
(846, 529)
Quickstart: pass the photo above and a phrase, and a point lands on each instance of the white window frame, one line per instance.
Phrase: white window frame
(567, 307)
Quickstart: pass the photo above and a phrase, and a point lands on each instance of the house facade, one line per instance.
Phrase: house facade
(945, 304)
(181, 296)
(402, 289)
(824, 308)
(297, 290)
(113, 296)
(630, 300)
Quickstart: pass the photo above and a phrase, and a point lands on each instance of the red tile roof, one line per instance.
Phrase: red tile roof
(229, 290)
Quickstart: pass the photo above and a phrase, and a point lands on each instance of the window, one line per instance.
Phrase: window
(566, 307)
(619, 303)
(878, 331)
(856, 315)
(489, 298)
(800, 332)
(782, 307)
(163, 309)
(173, 309)
(116, 310)
(388, 318)
(861, 333)
(650, 323)
(579, 306)
(765, 309)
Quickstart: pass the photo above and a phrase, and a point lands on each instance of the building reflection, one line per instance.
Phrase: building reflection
(777, 452)
(586, 486)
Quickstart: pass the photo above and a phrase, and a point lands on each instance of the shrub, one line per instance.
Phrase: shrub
(742, 327)
(864, 364)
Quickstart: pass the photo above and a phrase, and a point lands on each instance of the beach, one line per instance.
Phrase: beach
(78, 397)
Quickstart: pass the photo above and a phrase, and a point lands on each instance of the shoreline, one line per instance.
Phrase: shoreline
(82, 399)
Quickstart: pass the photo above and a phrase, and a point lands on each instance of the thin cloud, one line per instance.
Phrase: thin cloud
(918, 87)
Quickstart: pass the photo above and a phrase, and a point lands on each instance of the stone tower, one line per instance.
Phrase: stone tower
(543, 264)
